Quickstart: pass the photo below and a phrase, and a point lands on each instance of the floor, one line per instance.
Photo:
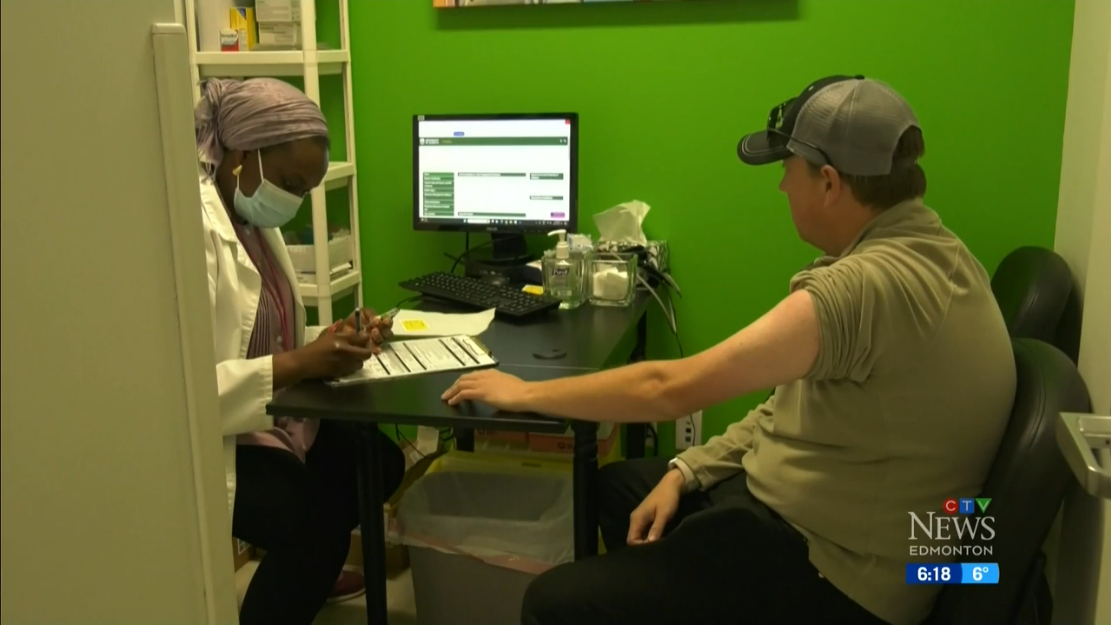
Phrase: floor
(399, 596)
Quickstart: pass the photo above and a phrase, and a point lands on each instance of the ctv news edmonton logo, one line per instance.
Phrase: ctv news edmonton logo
(964, 521)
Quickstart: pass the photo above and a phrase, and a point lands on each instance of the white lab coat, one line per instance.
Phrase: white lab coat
(234, 286)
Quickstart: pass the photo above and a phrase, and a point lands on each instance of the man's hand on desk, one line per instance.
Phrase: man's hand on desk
(500, 390)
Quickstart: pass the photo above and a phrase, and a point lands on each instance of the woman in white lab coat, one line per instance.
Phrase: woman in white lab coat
(263, 145)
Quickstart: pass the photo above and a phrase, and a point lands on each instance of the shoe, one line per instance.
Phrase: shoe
(350, 585)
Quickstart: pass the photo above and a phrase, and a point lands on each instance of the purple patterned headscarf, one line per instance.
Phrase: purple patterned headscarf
(252, 114)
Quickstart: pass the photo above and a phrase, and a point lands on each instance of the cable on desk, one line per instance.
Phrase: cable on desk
(668, 310)
(466, 252)
(663, 277)
(675, 323)
(407, 300)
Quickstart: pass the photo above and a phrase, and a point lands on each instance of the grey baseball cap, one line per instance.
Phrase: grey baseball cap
(849, 122)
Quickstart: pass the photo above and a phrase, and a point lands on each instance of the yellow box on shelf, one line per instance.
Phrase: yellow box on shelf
(242, 19)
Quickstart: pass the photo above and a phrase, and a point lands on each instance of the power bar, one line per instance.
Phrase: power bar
(688, 431)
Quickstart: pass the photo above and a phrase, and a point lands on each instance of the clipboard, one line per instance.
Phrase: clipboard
(408, 358)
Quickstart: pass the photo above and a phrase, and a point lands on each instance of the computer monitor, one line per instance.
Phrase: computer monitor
(505, 174)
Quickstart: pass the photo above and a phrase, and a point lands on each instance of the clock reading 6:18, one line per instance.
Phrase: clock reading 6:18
(933, 573)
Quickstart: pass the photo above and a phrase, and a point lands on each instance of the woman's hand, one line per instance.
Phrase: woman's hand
(382, 329)
(366, 316)
(379, 328)
(500, 390)
(331, 355)
(648, 521)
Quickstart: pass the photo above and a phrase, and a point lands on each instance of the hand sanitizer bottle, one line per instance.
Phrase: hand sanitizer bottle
(563, 276)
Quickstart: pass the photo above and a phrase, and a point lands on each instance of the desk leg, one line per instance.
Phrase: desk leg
(586, 489)
(464, 439)
(635, 433)
(372, 524)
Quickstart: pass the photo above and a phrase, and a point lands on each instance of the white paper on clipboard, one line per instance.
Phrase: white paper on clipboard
(401, 359)
(419, 323)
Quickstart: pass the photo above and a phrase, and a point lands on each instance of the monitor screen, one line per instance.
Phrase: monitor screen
(495, 173)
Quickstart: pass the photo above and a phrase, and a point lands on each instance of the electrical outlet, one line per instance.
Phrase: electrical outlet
(688, 431)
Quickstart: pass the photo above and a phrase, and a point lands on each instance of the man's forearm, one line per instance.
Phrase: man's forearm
(779, 347)
(630, 394)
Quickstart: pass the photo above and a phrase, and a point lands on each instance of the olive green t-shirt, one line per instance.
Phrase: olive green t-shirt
(903, 408)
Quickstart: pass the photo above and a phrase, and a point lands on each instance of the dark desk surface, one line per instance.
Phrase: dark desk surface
(411, 401)
(588, 335)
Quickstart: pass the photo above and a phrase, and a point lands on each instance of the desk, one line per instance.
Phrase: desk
(588, 336)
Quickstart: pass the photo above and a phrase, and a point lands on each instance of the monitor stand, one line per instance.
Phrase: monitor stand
(503, 261)
(507, 250)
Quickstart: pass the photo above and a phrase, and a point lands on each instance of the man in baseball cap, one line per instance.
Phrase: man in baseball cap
(852, 132)
(893, 380)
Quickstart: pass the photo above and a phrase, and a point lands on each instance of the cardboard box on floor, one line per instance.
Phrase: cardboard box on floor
(241, 552)
(397, 556)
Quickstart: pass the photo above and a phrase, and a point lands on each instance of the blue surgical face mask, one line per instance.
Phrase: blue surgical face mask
(270, 206)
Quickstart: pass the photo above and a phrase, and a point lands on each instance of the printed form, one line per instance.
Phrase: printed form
(401, 359)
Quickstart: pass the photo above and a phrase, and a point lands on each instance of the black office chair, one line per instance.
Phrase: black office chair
(1027, 483)
(1038, 296)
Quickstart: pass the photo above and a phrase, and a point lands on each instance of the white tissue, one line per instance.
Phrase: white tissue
(611, 284)
(623, 223)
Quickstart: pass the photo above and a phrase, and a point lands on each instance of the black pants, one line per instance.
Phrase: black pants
(725, 558)
(302, 515)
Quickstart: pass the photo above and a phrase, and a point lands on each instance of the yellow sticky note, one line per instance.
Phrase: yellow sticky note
(414, 325)
(534, 289)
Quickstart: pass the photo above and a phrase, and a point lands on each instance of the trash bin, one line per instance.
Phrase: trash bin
(478, 531)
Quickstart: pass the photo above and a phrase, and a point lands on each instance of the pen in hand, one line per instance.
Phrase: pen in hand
(358, 318)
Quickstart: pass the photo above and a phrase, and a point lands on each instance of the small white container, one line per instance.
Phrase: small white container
(229, 40)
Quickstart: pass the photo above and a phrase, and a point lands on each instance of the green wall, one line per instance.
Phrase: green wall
(665, 90)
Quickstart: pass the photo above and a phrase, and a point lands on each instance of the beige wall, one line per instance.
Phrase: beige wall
(103, 517)
(1083, 567)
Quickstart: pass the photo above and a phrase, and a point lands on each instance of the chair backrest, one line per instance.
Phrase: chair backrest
(1037, 294)
(1027, 483)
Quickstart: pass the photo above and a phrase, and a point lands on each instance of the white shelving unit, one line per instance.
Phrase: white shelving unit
(309, 63)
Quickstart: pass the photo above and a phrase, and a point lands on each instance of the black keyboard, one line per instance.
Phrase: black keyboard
(508, 301)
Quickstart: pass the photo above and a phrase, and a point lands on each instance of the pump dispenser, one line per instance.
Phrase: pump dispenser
(563, 276)
(562, 250)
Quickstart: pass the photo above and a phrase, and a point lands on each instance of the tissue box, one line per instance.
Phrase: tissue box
(279, 35)
(277, 11)
(659, 256)
(654, 254)
(611, 279)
